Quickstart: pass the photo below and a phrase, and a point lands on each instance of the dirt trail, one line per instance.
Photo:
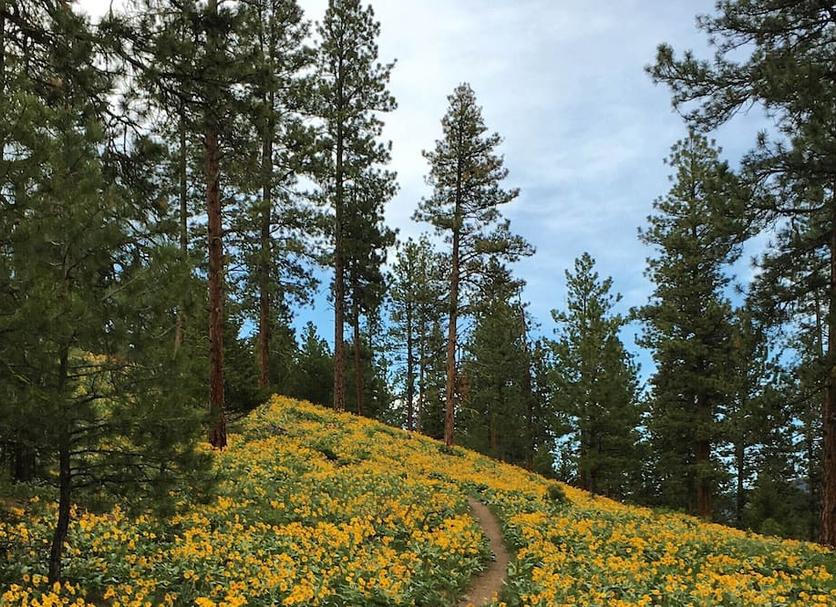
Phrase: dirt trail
(484, 586)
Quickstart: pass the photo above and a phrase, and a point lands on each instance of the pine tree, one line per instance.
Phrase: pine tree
(745, 402)
(597, 384)
(696, 232)
(789, 71)
(366, 241)
(432, 381)
(415, 300)
(351, 92)
(89, 268)
(542, 420)
(314, 366)
(273, 225)
(496, 367)
(466, 173)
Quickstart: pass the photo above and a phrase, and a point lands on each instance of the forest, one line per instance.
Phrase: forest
(179, 179)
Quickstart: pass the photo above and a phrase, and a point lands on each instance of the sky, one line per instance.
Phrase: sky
(585, 129)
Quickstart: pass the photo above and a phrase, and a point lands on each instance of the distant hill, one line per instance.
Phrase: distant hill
(325, 509)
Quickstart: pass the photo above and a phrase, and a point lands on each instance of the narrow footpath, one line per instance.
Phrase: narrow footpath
(488, 583)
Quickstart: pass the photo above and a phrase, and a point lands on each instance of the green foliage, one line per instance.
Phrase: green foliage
(697, 231)
(416, 303)
(466, 173)
(314, 368)
(597, 386)
(557, 494)
(786, 70)
(98, 401)
(496, 397)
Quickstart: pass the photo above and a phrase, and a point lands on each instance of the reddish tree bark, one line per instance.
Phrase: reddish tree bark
(449, 409)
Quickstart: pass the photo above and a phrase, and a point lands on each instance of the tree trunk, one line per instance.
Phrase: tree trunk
(217, 421)
(339, 261)
(451, 342)
(64, 483)
(358, 359)
(583, 461)
(740, 465)
(265, 249)
(422, 373)
(828, 495)
(410, 371)
(528, 392)
(703, 484)
(179, 329)
(23, 460)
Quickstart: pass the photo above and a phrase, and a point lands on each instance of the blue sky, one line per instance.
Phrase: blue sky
(585, 130)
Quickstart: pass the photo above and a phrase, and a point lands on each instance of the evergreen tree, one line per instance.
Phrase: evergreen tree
(315, 365)
(351, 92)
(542, 420)
(272, 228)
(745, 402)
(496, 368)
(688, 321)
(89, 270)
(212, 115)
(466, 174)
(789, 72)
(367, 239)
(192, 59)
(596, 384)
(415, 300)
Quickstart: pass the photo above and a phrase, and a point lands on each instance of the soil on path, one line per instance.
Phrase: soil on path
(484, 586)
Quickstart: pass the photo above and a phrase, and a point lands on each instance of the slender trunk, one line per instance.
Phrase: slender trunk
(528, 392)
(179, 330)
(812, 480)
(339, 291)
(339, 262)
(451, 342)
(583, 461)
(23, 460)
(422, 374)
(493, 439)
(358, 359)
(740, 466)
(810, 433)
(62, 525)
(217, 421)
(828, 495)
(265, 249)
(410, 371)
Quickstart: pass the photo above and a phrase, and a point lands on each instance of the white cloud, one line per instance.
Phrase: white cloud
(562, 81)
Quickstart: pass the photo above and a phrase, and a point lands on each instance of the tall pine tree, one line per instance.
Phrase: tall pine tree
(466, 173)
(789, 72)
(695, 230)
(596, 383)
(351, 93)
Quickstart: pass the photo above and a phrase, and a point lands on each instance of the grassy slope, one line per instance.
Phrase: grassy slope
(318, 508)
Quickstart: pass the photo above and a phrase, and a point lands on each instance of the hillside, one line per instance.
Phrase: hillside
(325, 509)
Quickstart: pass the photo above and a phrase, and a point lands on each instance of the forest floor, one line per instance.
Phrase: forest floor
(487, 585)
